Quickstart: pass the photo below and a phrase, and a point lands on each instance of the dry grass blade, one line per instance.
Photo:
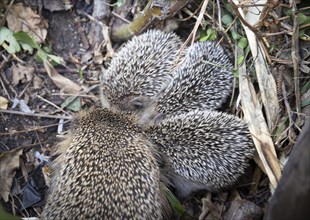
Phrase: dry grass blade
(258, 127)
(266, 81)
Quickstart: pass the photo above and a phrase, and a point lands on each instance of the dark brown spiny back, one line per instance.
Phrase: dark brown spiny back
(108, 171)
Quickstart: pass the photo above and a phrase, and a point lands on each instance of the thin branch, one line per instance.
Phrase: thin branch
(35, 114)
(296, 56)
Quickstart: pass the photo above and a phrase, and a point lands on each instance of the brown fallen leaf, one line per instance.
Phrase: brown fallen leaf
(253, 115)
(21, 18)
(60, 81)
(3, 103)
(9, 162)
(37, 82)
(22, 73)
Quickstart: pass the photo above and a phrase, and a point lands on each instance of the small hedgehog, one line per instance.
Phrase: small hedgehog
(207, 149)
(107, 170)
(202, 81)
(141, 68)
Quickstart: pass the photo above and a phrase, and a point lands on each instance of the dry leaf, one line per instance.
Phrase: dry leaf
(60, 81)
(267, 84)
(21, 18)
(9, 162)
(3, 103)
(24, 73)
(253, 115)
(37, 82)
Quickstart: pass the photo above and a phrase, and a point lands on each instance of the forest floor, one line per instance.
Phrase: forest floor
(52, 53)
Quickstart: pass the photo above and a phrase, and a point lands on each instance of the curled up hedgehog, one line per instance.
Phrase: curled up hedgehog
(158, 126)
(107, 169)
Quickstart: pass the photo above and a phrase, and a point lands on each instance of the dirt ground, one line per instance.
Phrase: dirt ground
(80, 39)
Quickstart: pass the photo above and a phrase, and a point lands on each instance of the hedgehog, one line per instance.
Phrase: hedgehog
(208, 150)
(202, 81)
(108, 169)
(141, 68)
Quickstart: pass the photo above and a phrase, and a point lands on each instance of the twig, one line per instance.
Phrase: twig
(120, 17)
(188, 12)
(5, 81)
(295, 55)
(45, 100)
(199, 19)
(193, 32)
(35, 114)
(219, 14)
(289, 113)
(32, 129)
(275, 33)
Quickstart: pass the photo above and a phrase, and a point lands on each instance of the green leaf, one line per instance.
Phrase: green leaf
(119, 3)
(227, 19)
(25, 38)
(174, 202)
(81, 72)
(240, 59)
(236, 73)
(235, 35)
(7, 216)
(26, 48)
(72, 103)
(7, 36)
(55, 60)
(211, 35)
(305, 103)
(229, 8)
(305, 88)
(242, 43)
(303, 19)
(41, 56)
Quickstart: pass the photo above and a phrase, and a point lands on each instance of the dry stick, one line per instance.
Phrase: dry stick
(120, 17)
(3, 86)
(193, 32)
(5, 81)
(295, 55)
(219, 14)
(289, 113)
(32, 129)
(35, 114)
(189, 13)
(45, 100)
(24, 90)
(199, 19)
